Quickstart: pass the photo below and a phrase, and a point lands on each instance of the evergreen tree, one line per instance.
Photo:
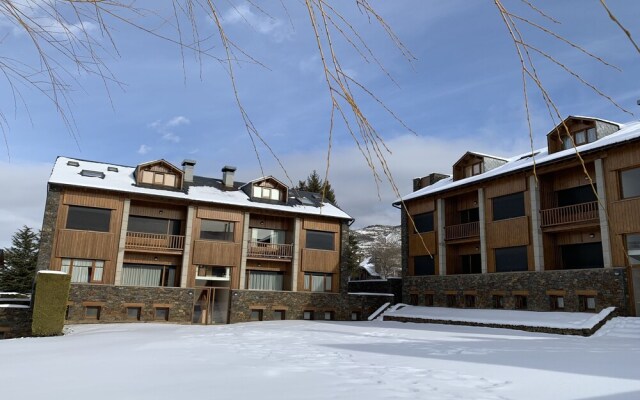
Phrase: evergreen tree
(352, 254)
(20, 262)
(316, 184)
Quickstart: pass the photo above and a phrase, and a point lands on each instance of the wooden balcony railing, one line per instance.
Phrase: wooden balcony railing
(569, 214)
(269, 250)
(462, 231)
(153, 241)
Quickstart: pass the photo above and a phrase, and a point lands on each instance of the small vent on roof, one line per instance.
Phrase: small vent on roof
(528, 155)
(73, 163)
(112, 169)
(92, 174)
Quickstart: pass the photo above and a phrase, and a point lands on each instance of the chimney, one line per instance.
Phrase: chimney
(187, 167)
(419, 183)
(228, 173)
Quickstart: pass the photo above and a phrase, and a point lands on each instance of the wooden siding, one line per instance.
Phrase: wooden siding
(221, 214)
(320, 261)
(416, 247)
(321, 225)
(92, 199)
(85, 245)
(210, 252)
(508, 232)
(420, 206)
(156, 210)
(507, 185)
(152, 259)
(270, 222)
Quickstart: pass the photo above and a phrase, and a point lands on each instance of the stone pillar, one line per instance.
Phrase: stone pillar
(483, 234)
(123, 241)
(245, 249)
(442, 246)
(295, 262)
(602, 214)
(536, 231)
(48, 227)
(186, 254)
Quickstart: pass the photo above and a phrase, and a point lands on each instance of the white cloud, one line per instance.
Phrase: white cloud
(164, 127)
(179, 120)
(262, 23)
(143, 149)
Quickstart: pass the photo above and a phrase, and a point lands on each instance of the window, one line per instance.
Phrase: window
(88, 219)
(587, 303)
(509, 206)
(452, 300)
(424, 265)
(92, 312)
(318, 282)
(308, 315)
(474, 169)
(328, 315)
(576, 195)
(510, 259)
(633, 248)
(256, 315)
(320, 240)
(497, 301)
(161, 314)
(266, 280)
(520, 302)
(413, 299)
(566, 142)
(216, 230)
(211, 273)
(630, 183)
(278, 315)
(158, 178)
(470, 300)
(582, 255)
(355, 315)
(428, 299)
(83, 271)
(471, 263)
(160, 226)
(266, 193)
(424, 222)
(556, 303)
(580, 137)
(591, 135)
(134, 313)
(470, 215)
(267, 236)
(149, 275)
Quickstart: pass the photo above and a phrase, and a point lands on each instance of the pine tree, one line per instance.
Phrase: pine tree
(20, 262)
(352, 254)
(315, 184)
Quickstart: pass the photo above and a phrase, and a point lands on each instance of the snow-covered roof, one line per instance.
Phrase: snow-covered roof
(123, 180)
(627, 132)
(369, 267)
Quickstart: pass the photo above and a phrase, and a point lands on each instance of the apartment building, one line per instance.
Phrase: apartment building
(156, 242)
(553, 229)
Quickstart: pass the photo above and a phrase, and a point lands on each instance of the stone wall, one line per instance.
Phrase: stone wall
(610, 286)
(52, 204)
(15, 321)
(114, 300)
(296, 303)
(389, 286)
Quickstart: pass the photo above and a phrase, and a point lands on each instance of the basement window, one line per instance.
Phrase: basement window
(256, 315)
(587, 303)
(469, 301)
(498, 301)
(428, 299)
(520, 302)
(556, 303)
(92, 312)
(452, 300)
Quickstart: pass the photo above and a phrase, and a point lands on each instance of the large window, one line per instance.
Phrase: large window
(149, 275)
(265, 280)
(216, 230)
(213, 273)
(320, 240)
(630, 183)
(424, 222)
(154, 225)
(633, 248)
(88, 219)
(317, 282)
(582, 255)
(83, 271)
(423, 265)
(509, 206)
(470, 215)
(576, 195)
(267, 236)
(509, 259)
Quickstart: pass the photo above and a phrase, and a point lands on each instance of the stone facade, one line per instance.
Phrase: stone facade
(387, 286)
(609, 286)
(15, 321)
(52, 204)
(296, 303)
(114, 300)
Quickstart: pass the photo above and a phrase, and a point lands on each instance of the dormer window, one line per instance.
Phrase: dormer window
(472, 170)
(580, 137)
(158, 178)
(159, 173)
(266, 193)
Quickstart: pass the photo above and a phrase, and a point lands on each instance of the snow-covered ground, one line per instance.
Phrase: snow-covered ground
(322, 360)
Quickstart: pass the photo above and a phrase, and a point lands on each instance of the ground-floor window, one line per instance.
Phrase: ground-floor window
(633, 248)
(265, 280)
(510, 259)
(161, 314)
(308, 315)
(318, 282)
(355, 315)
(149, 275)
(278, 315)
(92, 312)
(471, 264)
(556, 303)
(134, 313)
(587, 303)
(83, 271)
(329, 315)
(520, 302)
(256, 315)
(213, 273)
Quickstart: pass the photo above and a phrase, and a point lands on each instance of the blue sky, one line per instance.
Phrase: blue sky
(463, 92)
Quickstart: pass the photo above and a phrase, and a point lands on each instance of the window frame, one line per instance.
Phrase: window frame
(163, 274)
(505, 215)
(228, 235)
(256, 314)
(138, 316)
(556, 302)
(497, 257)
(72, 220)
(92, 269)
(157, 313)
(98, 310)
(226, 277)
(583, 303)
(636, 192)
(308, 282)
(427, 219)
(321, 233)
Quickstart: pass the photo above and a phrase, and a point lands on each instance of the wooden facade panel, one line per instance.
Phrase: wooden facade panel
(420, 206)
(624, 216)
(92, 199)
(152, 259)
(411, 265)
(623, 157)
(467, 201)
(157, 211)
(210, 252)
(321, 225)
(564, 238)
(270, 222)
(573, 177)
(85, 245)
(263, 265)
(219, 214)
(324, 261)
(508, 185)
(417, 246)
(508, 232)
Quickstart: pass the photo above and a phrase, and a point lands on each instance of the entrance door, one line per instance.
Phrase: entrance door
(211, 306)
(471, 264)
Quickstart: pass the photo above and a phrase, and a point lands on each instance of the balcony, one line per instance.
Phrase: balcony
(576, 213)
(154, 242)
(272, 251)
(462, 231)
